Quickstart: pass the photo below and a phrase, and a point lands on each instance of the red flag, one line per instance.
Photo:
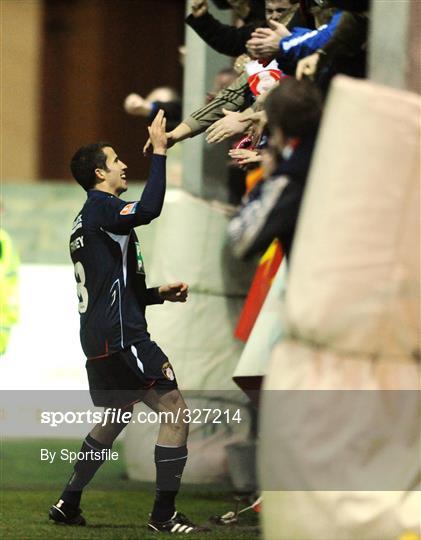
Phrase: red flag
(266, 271)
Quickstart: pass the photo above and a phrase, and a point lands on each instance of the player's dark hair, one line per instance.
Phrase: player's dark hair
(85, 161)
(295, 107)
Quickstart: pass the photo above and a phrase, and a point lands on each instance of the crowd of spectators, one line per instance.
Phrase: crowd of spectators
(285, 54)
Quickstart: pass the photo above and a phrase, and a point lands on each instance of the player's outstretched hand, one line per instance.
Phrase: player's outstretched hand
(181, 132)
(170, 142)
(147, 146)
(157, 135)
(174, 292)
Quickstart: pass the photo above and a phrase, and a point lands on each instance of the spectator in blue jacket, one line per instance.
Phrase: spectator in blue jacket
(337, 45)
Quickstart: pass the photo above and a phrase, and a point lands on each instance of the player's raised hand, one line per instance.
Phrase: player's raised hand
(178, 134)
(157, 135)
(174, 292)
(170, 142)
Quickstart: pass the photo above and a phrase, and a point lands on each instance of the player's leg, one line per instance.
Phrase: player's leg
(173, 430)
(170, 449)
(93, 453)
(170, 459)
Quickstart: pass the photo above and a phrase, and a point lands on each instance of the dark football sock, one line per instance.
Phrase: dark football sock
(169, 463)
(84, 470)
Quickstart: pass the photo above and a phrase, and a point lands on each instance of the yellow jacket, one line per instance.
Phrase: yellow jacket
(9, 288)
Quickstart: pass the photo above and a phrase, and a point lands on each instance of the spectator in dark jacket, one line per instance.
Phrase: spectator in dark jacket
(345, 52)
(231, 40)
(247, 10)
(337, 46)
(271, 209)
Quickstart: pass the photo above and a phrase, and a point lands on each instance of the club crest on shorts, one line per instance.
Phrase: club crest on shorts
(168, 371)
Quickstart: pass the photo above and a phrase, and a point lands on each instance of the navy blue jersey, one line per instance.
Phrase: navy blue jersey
(109, 269)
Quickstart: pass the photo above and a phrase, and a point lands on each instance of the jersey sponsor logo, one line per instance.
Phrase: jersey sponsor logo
(167, 371)
(140, 268)
(128, 209)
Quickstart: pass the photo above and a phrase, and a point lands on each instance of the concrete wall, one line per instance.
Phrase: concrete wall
(204, 165)
(395, 41)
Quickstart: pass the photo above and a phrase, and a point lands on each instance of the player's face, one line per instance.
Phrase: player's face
(275, 9)
(115, 177)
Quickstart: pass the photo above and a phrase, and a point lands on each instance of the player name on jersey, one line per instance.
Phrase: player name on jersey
(76, 244)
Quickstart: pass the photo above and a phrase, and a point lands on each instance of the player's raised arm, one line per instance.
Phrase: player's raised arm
(118, 216)
(150, 204)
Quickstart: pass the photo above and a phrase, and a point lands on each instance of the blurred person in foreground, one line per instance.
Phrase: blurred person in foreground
(9, 289)
(271, 209)
(124, 365)
(163, 97)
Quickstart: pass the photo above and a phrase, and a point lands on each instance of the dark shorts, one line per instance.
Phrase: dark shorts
(118, 380)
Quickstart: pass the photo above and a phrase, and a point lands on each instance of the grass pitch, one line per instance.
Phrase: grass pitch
(114, 507)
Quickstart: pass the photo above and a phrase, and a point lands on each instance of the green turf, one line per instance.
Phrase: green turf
(114, 507)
